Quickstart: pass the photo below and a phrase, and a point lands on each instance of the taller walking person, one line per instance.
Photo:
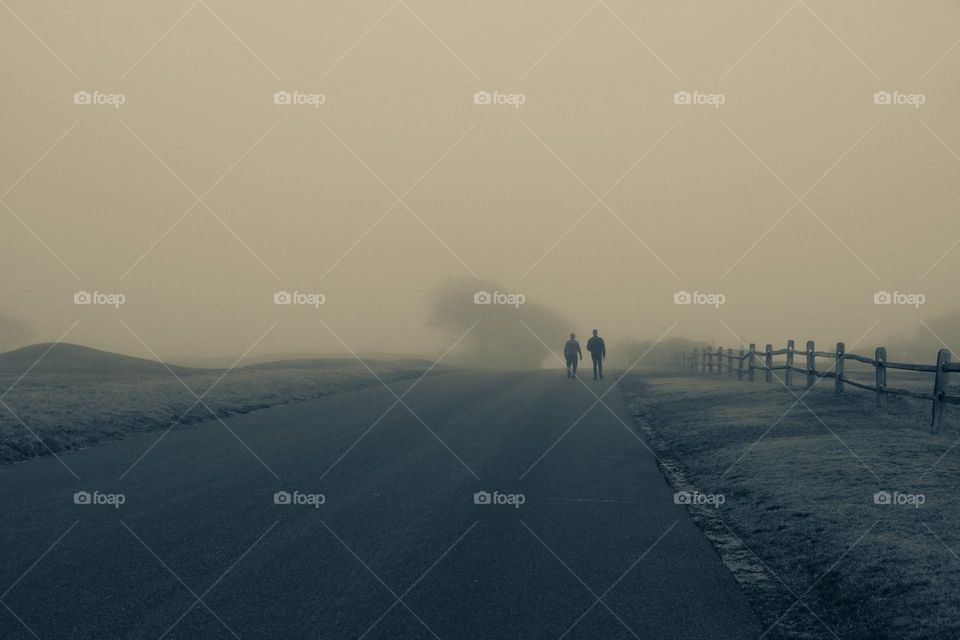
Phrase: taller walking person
(598, 353)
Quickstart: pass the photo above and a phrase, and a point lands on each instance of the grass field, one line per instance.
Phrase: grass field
(75, 410)
(800, 525)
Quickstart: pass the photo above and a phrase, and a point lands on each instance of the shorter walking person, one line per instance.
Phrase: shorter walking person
(598, 353)
(572, 354)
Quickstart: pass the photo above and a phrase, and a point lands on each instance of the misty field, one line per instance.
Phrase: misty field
(801, 518)
(76, 410)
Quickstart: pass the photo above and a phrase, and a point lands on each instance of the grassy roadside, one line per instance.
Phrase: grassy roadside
(72, 411)
(800, 519)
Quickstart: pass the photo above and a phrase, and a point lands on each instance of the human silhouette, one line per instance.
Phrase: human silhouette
(573, 354)
(598, 353)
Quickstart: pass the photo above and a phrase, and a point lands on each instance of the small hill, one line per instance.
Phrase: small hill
(298, 360)
(73, 358)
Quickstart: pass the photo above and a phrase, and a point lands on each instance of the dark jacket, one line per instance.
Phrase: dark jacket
(596, 347)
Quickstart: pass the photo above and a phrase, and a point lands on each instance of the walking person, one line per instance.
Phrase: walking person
(572, 354)
(598, 353)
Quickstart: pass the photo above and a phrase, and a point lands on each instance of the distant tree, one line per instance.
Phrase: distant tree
(499, 339)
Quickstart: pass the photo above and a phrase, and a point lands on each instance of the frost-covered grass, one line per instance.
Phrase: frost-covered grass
(799, 487)
(71, 411)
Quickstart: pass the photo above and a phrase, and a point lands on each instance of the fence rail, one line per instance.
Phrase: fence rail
(747, 363)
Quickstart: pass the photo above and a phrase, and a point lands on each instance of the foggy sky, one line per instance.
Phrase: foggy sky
(496, 193)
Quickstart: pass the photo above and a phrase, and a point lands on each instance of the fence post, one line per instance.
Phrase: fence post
(740, 366)
(788, 373)
(768, 362)
(703, 359)
(729, 362)
(838, 370)
(752, 363)
(881, 366)
(811, 364)
(719, 361)
(939, 389)
(693, 362)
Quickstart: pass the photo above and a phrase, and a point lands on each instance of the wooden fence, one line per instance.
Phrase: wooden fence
(747, 363)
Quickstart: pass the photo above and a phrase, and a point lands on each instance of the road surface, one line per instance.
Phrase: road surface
(579, 537)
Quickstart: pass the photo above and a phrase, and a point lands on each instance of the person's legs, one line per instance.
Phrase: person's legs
(571, 363)
(574, 359)
(597, 366)
(600, 366)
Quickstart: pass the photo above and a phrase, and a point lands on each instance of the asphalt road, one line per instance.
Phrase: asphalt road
(398, 549)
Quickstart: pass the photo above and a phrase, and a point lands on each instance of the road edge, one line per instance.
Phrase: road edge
(763, 593)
